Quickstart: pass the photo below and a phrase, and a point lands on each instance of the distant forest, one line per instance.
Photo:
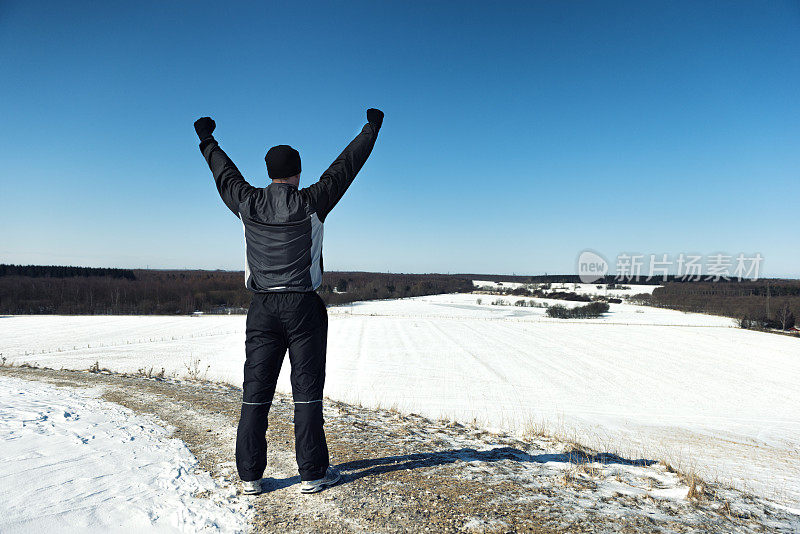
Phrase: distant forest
(63, 271)
(565, 279)
(53, 289)
(69, 290)
(769, 303)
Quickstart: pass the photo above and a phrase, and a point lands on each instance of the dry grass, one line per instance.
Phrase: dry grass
(148, 373)
(696, 489)
(531, 428)
(95, 368)
(699, 489)
(195, 371)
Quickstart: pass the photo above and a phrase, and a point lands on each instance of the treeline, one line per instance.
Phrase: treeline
(149, 292)
(157, 292)
(575, 279)
(544, 291)
(342, 287)
(769, 303)
(566, 279)
(63, 271)
(589, 311)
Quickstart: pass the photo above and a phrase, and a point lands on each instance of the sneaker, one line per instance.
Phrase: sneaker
(332, 476)
(251, 487)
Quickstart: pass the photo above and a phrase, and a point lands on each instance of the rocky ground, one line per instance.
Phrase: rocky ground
(406, 473)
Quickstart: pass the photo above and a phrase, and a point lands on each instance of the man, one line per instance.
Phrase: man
(283, 268)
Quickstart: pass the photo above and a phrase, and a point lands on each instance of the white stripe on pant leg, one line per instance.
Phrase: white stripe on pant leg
(256, 403)
(307, 402)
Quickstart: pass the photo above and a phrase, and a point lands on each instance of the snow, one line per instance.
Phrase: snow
(74, 463)
(581, 289)
(488, 284)
(642, 382)
(465, 306)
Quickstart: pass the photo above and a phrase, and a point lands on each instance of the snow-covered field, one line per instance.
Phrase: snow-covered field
(648, 383)
(74, 463)
(581, 289)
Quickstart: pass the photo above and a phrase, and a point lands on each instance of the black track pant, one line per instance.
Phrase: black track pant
(275, 322)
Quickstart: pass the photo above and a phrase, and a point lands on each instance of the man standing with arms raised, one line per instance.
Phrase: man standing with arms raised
(283, 236)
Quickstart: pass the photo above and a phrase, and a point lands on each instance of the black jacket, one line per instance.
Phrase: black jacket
(283, 225)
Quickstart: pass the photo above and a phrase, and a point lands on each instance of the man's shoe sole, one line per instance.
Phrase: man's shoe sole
(317, 489)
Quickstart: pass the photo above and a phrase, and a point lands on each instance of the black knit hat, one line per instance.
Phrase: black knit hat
(282, 161)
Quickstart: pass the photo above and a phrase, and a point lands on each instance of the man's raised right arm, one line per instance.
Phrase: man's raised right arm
(232, 186)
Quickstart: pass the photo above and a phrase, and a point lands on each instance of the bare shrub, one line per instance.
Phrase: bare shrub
(148, 373)
(194, 371)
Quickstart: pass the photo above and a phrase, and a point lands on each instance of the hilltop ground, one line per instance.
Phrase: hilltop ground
(406, 473)
(641, 382)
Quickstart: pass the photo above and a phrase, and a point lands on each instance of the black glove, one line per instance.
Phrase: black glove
(375, 117)
(204, 127)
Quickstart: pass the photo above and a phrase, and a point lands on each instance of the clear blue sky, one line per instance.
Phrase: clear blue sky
(516, 135)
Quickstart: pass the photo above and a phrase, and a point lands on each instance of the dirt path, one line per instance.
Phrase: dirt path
(405, 473)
